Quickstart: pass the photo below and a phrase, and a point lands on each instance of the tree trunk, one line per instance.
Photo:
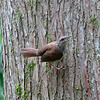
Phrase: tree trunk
(33, 23)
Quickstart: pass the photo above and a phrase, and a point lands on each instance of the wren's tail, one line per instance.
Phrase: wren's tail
(30, 52)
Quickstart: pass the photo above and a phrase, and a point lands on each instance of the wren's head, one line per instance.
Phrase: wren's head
(62, 43)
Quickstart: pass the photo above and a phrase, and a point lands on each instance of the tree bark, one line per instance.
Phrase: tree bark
(33, 23)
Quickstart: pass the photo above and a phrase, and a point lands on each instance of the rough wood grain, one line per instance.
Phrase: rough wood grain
(33, 23)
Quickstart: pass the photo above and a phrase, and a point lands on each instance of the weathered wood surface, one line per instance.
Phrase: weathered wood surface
(33, 23)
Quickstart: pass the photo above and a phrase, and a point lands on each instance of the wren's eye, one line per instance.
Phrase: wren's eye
(62, 39)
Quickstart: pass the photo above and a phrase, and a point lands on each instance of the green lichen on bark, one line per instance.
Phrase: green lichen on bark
(95, 22)
(18, 87)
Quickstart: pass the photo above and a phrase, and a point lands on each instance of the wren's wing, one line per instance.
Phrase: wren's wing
(50, 52)
(30, 52)
(45, 48)
(42, 50)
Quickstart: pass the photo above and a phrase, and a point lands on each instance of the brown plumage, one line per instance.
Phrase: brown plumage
(50, 52)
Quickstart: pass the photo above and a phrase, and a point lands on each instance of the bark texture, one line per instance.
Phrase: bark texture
(33, 23)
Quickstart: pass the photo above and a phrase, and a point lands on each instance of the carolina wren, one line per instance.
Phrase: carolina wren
(50, 52)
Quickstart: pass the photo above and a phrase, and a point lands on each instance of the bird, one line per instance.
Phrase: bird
(50, 52)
